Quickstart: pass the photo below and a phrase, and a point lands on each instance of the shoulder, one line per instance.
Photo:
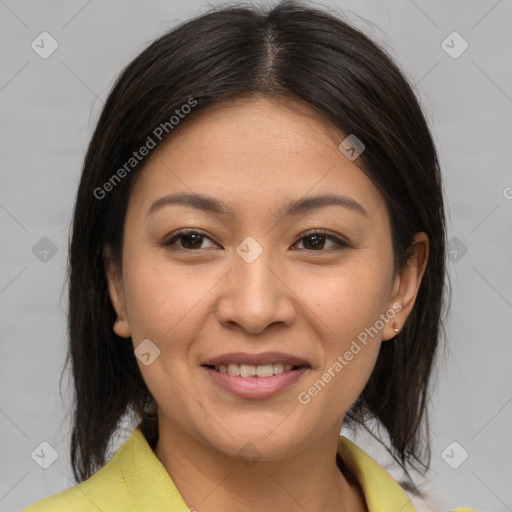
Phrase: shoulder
(105, 490)
(132, 481)
(381, 490)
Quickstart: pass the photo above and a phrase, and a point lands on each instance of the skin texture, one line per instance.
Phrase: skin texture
(255, 156)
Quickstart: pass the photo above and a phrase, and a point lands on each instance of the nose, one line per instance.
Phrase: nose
(256, 295)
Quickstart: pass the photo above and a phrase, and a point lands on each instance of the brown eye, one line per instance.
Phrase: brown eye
(316, 242)
(189, 240)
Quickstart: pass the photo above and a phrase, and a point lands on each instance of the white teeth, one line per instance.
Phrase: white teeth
(265, 370)
(247, 370)
(250, 370)
(233, 369)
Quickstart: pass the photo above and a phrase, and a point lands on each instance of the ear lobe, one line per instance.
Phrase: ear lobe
(116, 293)
(121, 328)
(407, 284)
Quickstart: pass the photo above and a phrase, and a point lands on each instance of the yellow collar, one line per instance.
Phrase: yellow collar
(380, 489)
(135, 480)
(143, 471)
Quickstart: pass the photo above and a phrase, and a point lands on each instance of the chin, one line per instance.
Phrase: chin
(265, 443)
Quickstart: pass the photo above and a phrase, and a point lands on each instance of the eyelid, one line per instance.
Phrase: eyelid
(323, 232)
(336, 239)
(167, 242)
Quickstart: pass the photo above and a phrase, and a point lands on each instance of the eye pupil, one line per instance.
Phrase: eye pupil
(197, 239)
(317, 241)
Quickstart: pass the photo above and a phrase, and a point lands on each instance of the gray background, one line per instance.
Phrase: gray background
(48, 111)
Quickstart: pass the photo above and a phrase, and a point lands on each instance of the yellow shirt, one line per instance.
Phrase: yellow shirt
(135, 480)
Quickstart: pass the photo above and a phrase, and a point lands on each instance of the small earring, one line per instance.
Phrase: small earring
(395, 329)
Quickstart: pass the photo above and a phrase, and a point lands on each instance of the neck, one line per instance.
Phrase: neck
(209, 480)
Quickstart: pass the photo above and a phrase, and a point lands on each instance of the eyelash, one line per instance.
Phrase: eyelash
(168, 244)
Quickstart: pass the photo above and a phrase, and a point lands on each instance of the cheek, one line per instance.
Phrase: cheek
(165, 303)
(347, 299)
(345, 310)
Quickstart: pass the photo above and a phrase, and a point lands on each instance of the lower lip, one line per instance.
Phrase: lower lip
(255, 387)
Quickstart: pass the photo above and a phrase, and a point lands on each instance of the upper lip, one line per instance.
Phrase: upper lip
(255, 359)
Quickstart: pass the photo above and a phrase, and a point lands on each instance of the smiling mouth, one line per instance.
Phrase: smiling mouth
(249, 370)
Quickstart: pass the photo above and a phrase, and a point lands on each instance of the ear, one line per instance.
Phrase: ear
(406, 285)
(116, 292)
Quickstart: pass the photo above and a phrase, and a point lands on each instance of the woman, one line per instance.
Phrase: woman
(257, 258)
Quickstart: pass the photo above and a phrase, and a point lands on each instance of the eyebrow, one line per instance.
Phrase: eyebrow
(301, 206)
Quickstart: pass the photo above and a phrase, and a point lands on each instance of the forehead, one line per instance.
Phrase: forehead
(257, 153)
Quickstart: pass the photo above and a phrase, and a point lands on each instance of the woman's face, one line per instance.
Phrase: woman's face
(312, 283)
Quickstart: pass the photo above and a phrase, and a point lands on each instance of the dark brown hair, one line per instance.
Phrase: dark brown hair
(289, 51)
